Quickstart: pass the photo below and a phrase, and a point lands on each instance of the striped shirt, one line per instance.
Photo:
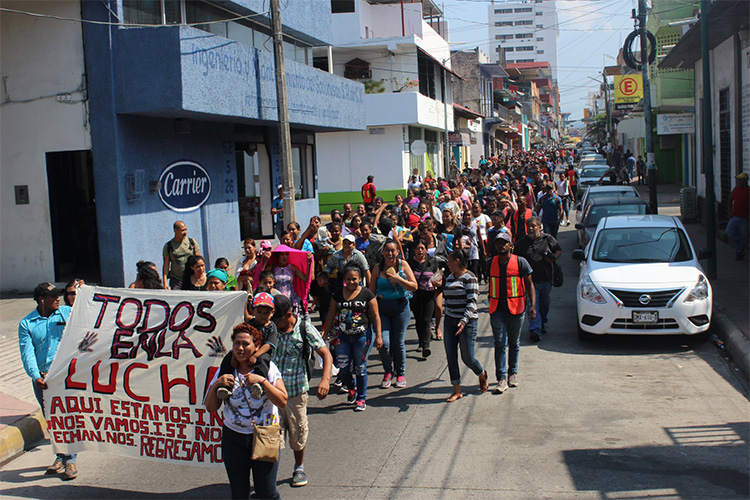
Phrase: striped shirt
(461, 295)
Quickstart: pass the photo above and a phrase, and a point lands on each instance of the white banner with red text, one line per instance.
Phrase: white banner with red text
(132, 368)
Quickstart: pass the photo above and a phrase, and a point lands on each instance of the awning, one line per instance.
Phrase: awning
(446, 68)
(725, 18)
(464, 111)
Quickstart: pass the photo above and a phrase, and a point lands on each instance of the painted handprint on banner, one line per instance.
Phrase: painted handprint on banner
(217, 347)
(88, 340)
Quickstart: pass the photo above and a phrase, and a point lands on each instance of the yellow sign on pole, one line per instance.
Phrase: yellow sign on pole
(628, 89)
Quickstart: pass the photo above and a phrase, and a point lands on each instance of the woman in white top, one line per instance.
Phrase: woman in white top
(562, 188)
(242, 412)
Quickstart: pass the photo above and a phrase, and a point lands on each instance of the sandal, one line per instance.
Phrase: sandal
(438, 334)
(453, 397)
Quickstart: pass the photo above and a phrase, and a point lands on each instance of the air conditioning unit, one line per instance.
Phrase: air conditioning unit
(688, 204)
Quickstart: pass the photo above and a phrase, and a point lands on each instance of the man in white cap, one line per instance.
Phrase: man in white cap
(509, 291)
(277, 211)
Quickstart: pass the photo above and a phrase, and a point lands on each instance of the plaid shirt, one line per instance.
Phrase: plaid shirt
(288, 356)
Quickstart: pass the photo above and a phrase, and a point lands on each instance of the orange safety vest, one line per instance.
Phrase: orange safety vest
(515, 286)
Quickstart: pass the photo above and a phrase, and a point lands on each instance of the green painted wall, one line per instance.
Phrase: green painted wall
(668, 161)
(330, 201)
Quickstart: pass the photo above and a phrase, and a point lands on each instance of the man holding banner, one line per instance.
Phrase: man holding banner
(39, 335)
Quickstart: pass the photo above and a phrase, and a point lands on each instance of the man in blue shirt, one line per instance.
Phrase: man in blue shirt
(552, 210)
(39, 335)
(277, 211)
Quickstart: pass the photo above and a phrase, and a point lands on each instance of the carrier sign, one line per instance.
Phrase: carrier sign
(185, 186)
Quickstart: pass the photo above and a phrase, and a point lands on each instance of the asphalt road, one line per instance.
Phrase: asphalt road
(625, 417)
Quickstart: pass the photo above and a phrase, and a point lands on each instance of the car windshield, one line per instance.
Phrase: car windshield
(642, 244)
(597, 172)
(599, 212)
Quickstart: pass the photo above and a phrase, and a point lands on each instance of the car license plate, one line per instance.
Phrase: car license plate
(646, 318)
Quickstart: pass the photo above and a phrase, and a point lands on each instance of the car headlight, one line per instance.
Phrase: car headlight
(590, 292)
(699, 291)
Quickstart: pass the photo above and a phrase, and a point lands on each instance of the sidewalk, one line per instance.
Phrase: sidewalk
(731, 289)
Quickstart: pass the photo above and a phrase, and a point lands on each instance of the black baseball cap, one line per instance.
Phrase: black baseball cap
(47, 289)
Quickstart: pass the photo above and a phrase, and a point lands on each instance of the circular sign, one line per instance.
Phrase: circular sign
(418, 147)
(628, 86)
(185, 186)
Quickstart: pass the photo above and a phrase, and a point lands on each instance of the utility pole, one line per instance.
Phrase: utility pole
(707, 136)
(650, 158)
(606, 105)
(285, 142)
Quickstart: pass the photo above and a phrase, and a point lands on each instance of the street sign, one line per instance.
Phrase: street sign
(628, 88)
(677, 123)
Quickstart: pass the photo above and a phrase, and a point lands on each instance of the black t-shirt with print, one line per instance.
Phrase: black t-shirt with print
(353, 315)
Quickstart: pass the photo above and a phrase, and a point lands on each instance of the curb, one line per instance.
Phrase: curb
(737, 344)
(22, 435)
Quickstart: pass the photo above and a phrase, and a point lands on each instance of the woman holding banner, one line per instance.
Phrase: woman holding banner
(242, 412)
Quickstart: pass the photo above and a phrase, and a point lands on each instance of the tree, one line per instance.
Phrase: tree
(597, 128)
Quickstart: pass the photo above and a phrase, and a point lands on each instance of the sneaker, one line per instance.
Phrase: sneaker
(223, 393)
(501, 386)
(534, 336)
(299, 478)
(256, 391)
(57, 467)
(426, 352)
(386, 383)
(513, 380)
(337, 383)
(361, 406)
(400, 382)
(71, 471)
(352, 397)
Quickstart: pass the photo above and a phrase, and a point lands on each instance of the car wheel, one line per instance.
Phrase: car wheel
(584, 336)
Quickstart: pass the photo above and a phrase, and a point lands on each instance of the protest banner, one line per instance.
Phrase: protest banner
(132, 368)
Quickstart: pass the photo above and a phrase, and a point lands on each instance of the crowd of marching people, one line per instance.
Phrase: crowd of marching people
(361, 273)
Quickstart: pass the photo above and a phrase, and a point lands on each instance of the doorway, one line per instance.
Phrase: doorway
(72, 206)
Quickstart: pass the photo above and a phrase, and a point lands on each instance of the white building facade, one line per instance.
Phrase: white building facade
(404, 63)
(526, 30)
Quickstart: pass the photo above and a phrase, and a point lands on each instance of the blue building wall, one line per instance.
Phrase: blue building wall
(141, 79)
(305, 19)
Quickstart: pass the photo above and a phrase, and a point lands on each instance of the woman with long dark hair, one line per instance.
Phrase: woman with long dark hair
(195, 277)
(147, 276)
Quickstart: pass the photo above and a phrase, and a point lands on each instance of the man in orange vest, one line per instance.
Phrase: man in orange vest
(510, 288)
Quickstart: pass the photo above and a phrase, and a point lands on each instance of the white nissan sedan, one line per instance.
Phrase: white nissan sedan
(640, 275)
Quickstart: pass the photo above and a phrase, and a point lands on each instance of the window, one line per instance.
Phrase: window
(509, 49)
(540, 51)
(540, 39)
(357, 69)
(504, 23)
(426, 68)
(539, 13)
(524, 60)
(524, 23)
(525, 9)
(525, 48)
(520, 36)
(540, 26)
(503, 11)
(342, 6)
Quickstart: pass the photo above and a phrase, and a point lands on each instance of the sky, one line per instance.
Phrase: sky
(591, 34)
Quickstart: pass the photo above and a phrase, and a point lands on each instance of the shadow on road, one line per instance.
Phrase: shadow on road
(703, 462)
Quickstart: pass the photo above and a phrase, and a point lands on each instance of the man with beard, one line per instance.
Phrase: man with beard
(509, 291)
(540, 250)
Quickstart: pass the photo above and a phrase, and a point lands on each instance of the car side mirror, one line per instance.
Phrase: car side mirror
(580, 226)
(578, 254)
(704, 253)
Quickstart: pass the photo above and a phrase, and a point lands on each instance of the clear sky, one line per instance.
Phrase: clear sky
(591, 34)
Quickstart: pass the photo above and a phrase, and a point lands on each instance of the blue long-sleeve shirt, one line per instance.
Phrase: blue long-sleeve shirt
(38, 339)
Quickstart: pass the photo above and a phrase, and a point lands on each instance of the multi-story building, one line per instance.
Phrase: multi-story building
(401, 54)
(148, 112)
(543, 98)
(525, 31)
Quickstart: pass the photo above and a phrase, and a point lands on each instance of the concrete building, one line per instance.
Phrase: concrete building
(115, 127)
(399, 54)
(729, 59)
(525, 30)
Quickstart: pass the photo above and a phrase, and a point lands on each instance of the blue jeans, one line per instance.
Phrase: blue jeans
(353, 351)
(542, 290)
(506, 328)
(737, 229)
(551, 228)
(467, 340)
(394, 319)
(236, 450)
(39, 393)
